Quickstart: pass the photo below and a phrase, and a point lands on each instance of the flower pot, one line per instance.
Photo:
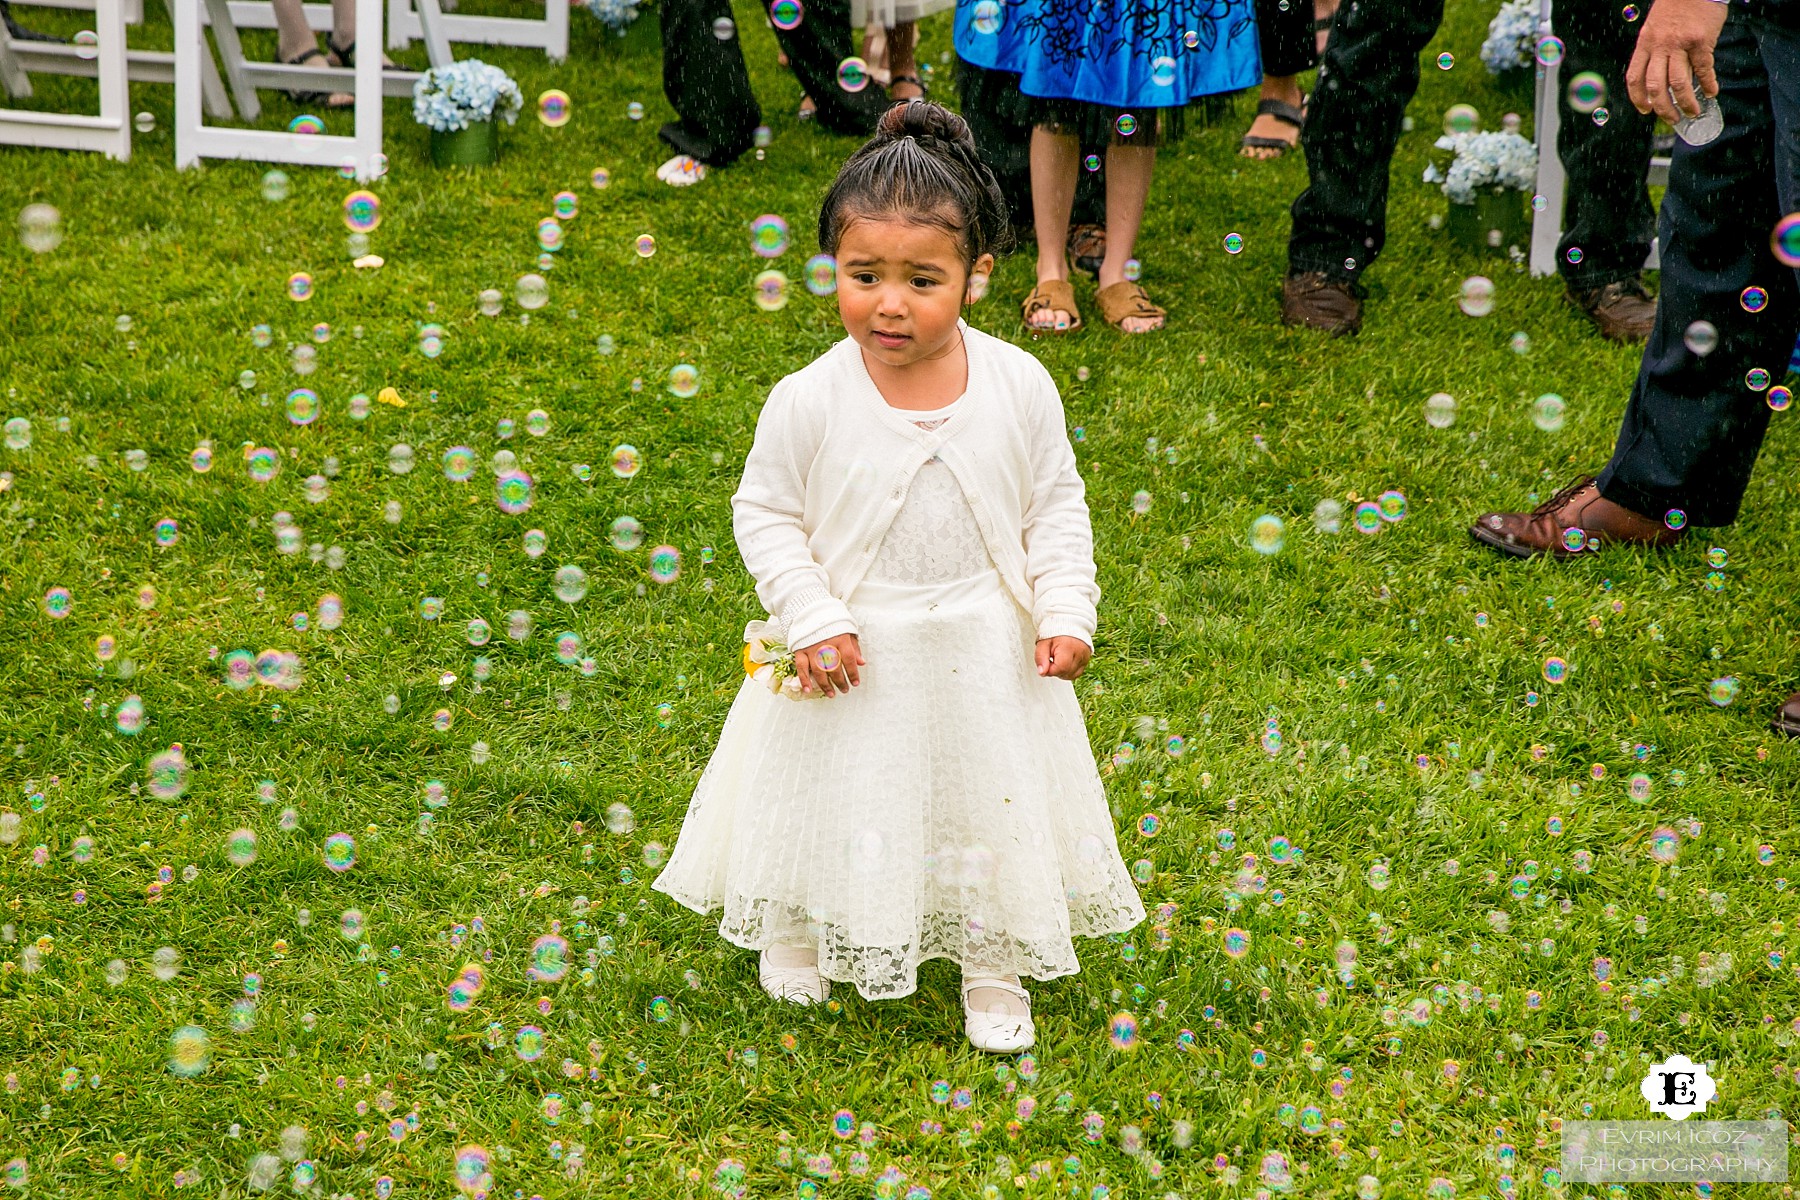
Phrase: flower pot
(476, 145)
(1494, 224)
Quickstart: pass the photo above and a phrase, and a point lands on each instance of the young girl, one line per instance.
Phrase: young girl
(911, 513)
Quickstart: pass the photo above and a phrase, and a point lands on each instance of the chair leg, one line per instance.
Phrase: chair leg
(231, 52)
(12, 72)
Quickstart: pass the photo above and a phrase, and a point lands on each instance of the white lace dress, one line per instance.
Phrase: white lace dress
(947, 807)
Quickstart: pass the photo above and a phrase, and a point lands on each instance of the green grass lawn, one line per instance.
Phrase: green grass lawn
(1470, 829)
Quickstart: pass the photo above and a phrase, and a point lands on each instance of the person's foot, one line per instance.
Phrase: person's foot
(1280, 115)
(315, 59)
(807, 108)
(1622, 310)
(1057, 317)
(791, 973)
(1787, 718)
(1317, 301)
(682, 171)
(997, 1014)
(1577, 520)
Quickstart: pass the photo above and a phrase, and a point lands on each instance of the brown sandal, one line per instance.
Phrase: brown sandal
(1054, 295)
(1126, 299)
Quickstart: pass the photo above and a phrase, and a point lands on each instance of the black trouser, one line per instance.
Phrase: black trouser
(1693, 428)
(1607, 213)
(706, 83)
(1368, 75)
(1284, 34)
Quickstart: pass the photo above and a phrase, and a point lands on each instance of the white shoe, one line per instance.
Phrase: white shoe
(681, 171)
(797, 985)
(1000, 1032)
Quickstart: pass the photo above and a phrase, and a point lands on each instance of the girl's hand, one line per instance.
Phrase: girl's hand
(1064, 657)
(847, 652)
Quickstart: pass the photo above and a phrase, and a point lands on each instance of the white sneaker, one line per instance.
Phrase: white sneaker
(1004, 1028)
(681, 171)
(797, 985)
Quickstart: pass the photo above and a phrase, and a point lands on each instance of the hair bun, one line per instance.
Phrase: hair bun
(922, 118)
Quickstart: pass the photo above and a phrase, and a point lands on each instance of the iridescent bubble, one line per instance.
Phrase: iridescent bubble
(1091, 162)
(1236, 943)
(362, 211)
(1267, 534)
(1126, 124)
(459, 464)
(168, 532)
(987, 16)
(512, 492)
(1477, 296)
(190, 1050)
(1550, 51)
(1675, 519)
(568, 648)
(1702, 337)
(821, 274)
(303, 406)
(532, 292)
(1665, 844)
(275, 186)
(300, 286)
(571, 583)
(1440, 410)
(535, 543)
(1784, 240)
(549, 235)
(1587, 91)
(1461, 118)
(537, 422)
(684, 380)
(1723, 691)
(646, 245)
(306, 125)
(627, 533)
(769, 236)
(528, 1043)
(1753, 299)
(635, 110)
(549, 959)
(565, 205)
(600, 178)
(771, 291)
(625, 461)
(553, 108)
(1780, 398)
(1234, 243)
(40, 228)
(1756, 379)
(130, 716)
(1392, 505)
(665, 565)
(1162, 71)
(1446, 60)
(472, 1174)
(400, 458)
(1547, 412)
(1555, 670)
(168, 774)
(853, 74)
(1328, 516)
(1367, 517)
(340, 852)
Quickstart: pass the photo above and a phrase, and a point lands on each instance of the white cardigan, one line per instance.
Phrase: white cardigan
(832, 461)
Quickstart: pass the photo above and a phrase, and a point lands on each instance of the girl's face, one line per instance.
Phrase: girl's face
(900, 288)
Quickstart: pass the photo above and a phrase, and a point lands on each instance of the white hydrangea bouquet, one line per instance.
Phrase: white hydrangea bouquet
(616, 15)
(1512, 37)
(768, 661)
(1487, 179)
(461, 94)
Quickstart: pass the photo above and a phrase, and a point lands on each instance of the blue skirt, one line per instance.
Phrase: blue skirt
(1123, 55)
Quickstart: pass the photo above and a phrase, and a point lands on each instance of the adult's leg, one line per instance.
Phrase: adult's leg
(1054, 162)
(903, 70)
(1367, 76)
(1128, 173)
(1285, 37)
(294, 36)
(706, 83)
(815, 47)
(1608, 217)
(1693, 427)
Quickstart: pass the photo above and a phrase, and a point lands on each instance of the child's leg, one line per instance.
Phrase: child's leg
(1128, 172)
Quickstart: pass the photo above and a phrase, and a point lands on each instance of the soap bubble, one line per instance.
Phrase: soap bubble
(340, 852)
(769, 236)
(18, 433)
(635, 111)
(1780, 398)
(1461, 118)
(275, 186)
(1446, 60)
(665, 564)
(627, 533)
(1328, 516)
(571, 583)
(646, 245)
(853, 74)
(1234, 243)
(1477, 296)
(625, 461)
(1702, 338)
(531, 292)
(1547, 412)
(1267, 534)
(300, 286)
(1756, 379)
(303, 406)
(821, 274)
(1587, 91)
(40, 228)
(771, 291)
(1440, 410)
(684, 380)
(786, 14)
(549, 235)
(1784, 240)
(362, 211)
(190, 1050)
(724, 29)
(1162, 71)
(512, 492)
(1753, 299)
(1723, 691)
(553, 108)
(1550, 51)
(600, 177)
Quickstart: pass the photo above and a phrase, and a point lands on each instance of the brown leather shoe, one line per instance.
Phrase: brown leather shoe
(1317, 301)
(1787, 720)
(1574, 521)
(1622, 310)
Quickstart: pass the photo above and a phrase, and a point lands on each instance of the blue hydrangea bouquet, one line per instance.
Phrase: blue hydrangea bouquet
(1487, 181)
(458, 102)
(1511, 43)
(616, 15)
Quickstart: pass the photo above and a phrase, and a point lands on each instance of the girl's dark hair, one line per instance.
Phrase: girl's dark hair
(922, 166)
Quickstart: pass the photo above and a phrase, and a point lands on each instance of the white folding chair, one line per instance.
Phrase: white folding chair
(134, 9)
(110, 131)
(141, 66)
(195, 139)
(551, 35)
(1552, 184)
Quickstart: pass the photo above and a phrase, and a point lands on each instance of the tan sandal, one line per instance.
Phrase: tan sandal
(1054, 295)
(1126, 299)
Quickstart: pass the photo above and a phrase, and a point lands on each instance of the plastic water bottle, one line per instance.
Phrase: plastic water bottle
(1701, 129)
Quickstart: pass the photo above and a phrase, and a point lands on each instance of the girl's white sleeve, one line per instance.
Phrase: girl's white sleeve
(1059, 540)
(767, 519)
